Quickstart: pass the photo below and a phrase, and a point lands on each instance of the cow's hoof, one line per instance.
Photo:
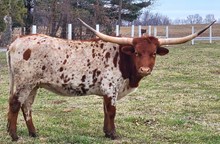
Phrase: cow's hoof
(112, 136)
(32, 134)
(14, 137)
(7, 127)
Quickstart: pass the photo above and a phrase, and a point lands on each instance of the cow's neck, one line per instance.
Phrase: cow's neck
(128, 70)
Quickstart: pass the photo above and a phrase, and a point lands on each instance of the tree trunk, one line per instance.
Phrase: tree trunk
(64, 29)
(29, 4)
(119, 13)
(7, 35)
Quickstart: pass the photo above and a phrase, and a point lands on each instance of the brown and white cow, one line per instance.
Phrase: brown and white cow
(110, 67)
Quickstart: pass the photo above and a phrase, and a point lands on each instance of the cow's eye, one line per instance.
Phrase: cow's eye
(154, 54)
(137, 54)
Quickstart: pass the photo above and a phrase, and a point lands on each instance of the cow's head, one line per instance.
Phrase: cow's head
(143, 50)
(143, 53)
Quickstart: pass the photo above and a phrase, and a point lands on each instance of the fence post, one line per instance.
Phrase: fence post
(149, 30)
(69, 34)
(34, 29)
(139, 31)
(167, 32)
(193, 31)
(117, 30)
(97, 27)
(210, 34)
(155, 31)
(132, 30)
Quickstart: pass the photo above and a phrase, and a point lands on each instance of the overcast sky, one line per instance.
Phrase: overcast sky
(182, 8)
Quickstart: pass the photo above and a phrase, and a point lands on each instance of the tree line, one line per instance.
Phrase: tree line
(149, 18)
(196, 19)
(56, 14)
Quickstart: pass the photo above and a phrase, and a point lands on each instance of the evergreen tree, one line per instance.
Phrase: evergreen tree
(11, 15)
(13, 8)
(130, 9)
(3, 13)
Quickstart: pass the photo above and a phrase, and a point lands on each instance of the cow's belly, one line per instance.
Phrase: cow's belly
(70, 90)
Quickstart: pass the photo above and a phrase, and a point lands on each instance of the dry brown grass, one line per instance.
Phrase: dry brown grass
(175, 30)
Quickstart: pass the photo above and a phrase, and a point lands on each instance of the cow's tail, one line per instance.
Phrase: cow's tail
(11, 74)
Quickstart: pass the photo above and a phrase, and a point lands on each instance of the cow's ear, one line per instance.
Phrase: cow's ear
(129, 50)
(162, 51)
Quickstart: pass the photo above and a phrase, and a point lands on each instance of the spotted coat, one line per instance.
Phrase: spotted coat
(69, 68)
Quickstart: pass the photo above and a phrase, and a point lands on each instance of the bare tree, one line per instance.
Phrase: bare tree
(119, 13)
(155, 19)
(177, 21)
(209, 18)
(180, 21)
(194, 19)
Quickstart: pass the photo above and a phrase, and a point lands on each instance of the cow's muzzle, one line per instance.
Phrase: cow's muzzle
(144, 71)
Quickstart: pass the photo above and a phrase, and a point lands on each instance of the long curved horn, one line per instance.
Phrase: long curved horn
(118, 40)
(172, 41)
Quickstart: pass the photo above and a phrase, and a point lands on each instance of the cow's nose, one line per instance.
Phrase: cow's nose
(144, 71)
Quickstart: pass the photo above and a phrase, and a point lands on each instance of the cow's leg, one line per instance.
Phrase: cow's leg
(109, 113)
(14, 107)
(27, 112)
(15, 102)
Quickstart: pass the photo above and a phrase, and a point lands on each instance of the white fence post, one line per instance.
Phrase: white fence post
(132, 30)
(155, 31)
(97, 27)
(34, 29)
(69, 34)
(139, 30)
(167, 32)
(210, 34)
(149, 30)
(117, 30)
(193, 31)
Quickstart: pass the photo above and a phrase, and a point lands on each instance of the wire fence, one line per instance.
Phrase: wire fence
(172, 31)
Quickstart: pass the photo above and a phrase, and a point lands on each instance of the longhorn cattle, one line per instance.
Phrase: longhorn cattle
(110, 67)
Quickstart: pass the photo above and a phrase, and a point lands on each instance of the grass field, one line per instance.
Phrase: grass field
(178, 103)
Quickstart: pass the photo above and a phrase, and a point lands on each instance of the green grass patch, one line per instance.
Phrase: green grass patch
(178, 103)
